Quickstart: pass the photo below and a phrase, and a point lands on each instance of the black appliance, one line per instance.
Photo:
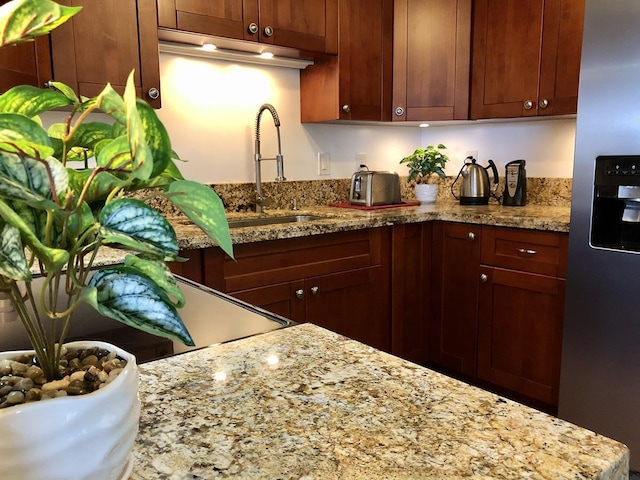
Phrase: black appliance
(615, 221)
(515, 188)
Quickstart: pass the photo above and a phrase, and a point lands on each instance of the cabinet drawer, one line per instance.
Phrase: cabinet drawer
(526, 250)
(278, 261)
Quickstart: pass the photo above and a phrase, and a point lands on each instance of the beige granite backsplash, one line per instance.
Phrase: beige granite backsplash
(240, 197)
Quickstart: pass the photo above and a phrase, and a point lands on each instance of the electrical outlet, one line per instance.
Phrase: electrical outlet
(361, 159)
(471, 153)
(324, 163)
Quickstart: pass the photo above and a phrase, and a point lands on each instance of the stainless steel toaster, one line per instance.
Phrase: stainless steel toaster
(374, 188)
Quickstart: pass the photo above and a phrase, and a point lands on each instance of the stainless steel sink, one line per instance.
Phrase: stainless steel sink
(261, 221)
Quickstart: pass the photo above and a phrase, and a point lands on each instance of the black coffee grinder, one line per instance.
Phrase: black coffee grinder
(515, 188)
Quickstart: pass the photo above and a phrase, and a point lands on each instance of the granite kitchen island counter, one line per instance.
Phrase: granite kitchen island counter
(303, 402)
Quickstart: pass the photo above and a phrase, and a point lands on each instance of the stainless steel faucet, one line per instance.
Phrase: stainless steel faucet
(260, 200)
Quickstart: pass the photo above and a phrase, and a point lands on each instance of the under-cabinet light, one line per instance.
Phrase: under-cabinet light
(234, 55)
(423, 125)
(209, 47)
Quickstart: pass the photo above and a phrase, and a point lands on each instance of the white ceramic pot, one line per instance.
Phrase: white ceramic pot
(85, 437)
(426, 192)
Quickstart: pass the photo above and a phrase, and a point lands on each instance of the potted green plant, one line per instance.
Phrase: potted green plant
(56, 214)
(423, 163)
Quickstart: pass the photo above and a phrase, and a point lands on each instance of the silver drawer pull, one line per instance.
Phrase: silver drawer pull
(300, 293)
(526, 251)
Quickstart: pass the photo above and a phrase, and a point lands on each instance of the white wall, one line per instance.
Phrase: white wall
(209, 108)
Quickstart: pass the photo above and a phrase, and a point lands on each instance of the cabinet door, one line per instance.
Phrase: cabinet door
(353, 303)
(431, 57)
(520, 332)
(25, 64)
(276, 299)
(506, 57)
(355, 85)
(192, 268)
(456, 270)
(303, 24)
(224, 18)
(410, 287)
(104, 42)
(526, 57)
(560, 60)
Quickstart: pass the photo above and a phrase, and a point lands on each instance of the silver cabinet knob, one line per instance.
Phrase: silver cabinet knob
(300, 293)
(528, 105)
(315, 290)
(346, 108)
(484, 278)
(268, 31)
(399, 111)
(544, 103)
(252, 28)
(153, 93)
(471, 236)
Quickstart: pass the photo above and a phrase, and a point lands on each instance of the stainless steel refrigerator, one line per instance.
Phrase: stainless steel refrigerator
(600, 375)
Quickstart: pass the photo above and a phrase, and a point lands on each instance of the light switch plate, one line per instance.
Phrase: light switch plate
(324, 163)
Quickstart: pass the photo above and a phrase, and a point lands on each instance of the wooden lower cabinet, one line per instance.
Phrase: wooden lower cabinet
(339, 281)
(454, 321)
(410, 287)
(520, 332)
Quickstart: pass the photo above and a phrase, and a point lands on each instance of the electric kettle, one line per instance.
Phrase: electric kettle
(475, 188)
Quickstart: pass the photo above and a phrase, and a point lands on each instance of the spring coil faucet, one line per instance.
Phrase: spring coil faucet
(260, 200)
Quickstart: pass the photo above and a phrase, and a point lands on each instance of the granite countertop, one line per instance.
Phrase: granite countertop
(335, 219)
(305, 403)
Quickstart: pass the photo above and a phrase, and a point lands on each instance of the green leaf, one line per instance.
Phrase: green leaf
(27, 180)
(13, 263)
(168, 176)
(30, 101)
(53, 259)
(133, 224)
(156, 137)
(112, 104)
(116, 155)
(101, 185)
(80, 221)
(203, 206)
(161, 275)
(124, 294)
(19, 134)
(25, 19)
(66, 91)
(140, 151)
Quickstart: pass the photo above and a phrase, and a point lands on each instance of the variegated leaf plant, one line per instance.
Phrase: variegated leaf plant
(56, 214)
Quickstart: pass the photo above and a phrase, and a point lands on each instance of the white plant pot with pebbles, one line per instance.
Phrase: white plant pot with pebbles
(81, 437)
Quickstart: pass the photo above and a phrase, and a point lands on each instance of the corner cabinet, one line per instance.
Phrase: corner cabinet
(454, 321)
(307, 25)
(526, 57)
(355, 84)
(498, 308)
(431, 59)
(86, 57)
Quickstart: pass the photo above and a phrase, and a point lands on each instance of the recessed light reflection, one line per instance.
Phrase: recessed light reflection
(266, 55)
(220, 376)
(209, 47)
(273, 360)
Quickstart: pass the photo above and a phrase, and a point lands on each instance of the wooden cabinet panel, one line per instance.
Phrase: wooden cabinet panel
(526, 250)
(25, 64)
(307, 25)
(526, 57)
(456, 265)
(353, 303)
(355, 85)
(276, 299)
(410, 287)
(86, 58)
(520, 332)
(192, 268)
(431, 59)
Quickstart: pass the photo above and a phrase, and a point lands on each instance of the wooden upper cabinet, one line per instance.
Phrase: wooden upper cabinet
(355, 85)
(25, 64)
(104, 43)
(526, 57)
(431, 59)
(307, 25)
